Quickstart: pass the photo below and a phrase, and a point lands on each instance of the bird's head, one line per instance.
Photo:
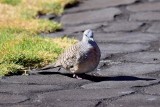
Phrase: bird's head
(88, 35)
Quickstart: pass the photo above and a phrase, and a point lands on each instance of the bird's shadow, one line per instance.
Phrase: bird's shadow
(100, 78)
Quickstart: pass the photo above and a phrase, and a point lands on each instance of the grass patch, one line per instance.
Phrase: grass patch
(24, 14)
(19, 53)
(11, 18)
(11, 2)
(21, 47)
(10, 69)
(32, 25)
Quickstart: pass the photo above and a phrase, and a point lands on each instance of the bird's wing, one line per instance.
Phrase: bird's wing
(69, 57)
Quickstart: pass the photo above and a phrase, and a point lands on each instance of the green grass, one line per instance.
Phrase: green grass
(10, 69)
(21, 47)
(21, 52)
(30, 51)
(11, 2)
(51, 8)
(48, 26)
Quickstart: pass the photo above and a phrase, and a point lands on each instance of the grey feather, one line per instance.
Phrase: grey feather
(48, 67)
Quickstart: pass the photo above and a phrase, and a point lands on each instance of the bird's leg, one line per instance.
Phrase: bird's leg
(59, 69)
(76, 76)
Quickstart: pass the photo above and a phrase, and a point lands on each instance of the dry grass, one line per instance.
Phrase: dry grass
(11, 18)
(32, 26)
(23, 15)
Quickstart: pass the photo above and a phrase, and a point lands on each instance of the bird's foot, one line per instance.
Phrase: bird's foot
(26, 73)
(76, 76)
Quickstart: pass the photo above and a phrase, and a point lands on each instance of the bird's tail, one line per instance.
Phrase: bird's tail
(49, 67)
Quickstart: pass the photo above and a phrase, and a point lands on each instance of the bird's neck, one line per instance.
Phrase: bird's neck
(86, 40)
(89, 43)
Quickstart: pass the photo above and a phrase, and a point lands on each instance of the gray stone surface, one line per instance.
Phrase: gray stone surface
(72, 104)
(82, 94)
(153, 90)
(90, 4)
(122, 48)
(23, 105)
(70, 30)
(123, 26)
(80, 28)
(105, 54)
(151, 6)
(135, 37)
(50, 79)
(153, 0)
(129, 69)
(145, 16)
(111, 84)
(11, 98)
(142, 57)
(155, 28)
(19, 88)
(137, 101)
(102, 15)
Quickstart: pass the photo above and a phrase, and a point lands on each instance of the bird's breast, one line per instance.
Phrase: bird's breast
(92, 58)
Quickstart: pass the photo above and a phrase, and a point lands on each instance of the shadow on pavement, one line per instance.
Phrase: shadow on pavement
(114, 78)
(101, 78)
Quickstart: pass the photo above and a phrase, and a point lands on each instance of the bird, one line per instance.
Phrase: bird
(80, 58)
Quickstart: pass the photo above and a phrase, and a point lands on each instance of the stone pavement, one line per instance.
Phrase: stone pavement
(128, 33)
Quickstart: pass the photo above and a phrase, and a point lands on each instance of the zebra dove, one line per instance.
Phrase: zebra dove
(81, 57)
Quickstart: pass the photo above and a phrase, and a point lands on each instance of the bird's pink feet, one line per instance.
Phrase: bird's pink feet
(76, 76)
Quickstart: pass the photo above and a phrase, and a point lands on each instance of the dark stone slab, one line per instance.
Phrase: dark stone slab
(20, 88)
(154, 74)
(153, 0)
(122, 37)
(81, 28)
(122, 48)
(155, 28)
(72, 104)
(70, 30)
(105, 55)
(150, 6)
(12, 99)
(137, 100)
(95, 16)
(142, 57)
(23, 105)
(97, 4)
(82, 94)
(145, 16)
(125, 82)
(123, 26)
(154, 90)
(46, 78)
(129, 69)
